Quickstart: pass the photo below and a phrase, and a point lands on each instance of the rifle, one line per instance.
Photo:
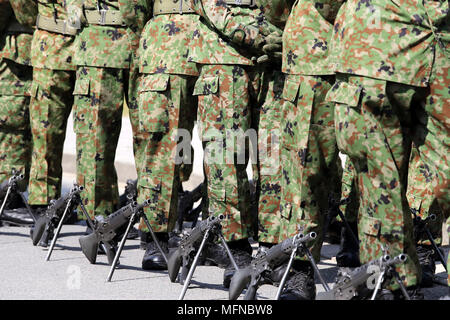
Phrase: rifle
(351, 283)
(421, 226)
(105, 230)
(54, 216)
(11, 186)
(136, 215)
(266, 262)
(182, 255)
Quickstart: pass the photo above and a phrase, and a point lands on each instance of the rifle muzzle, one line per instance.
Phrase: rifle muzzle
(239, 281)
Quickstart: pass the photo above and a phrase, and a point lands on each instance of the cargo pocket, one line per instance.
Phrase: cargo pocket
(293, 125)
(154, 103)
(82, 111)
(350, 127)
(205, 88)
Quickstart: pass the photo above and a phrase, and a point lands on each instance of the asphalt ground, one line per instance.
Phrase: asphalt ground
(25, 274)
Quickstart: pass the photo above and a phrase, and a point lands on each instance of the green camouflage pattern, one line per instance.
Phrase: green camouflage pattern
(349, 191)
(225, 94)
(365, 31)
(228, 34)
(51, 50)
(96, 45)
(97, 116)
(377, 120)
(311, 166)
(166, 44)
(268, 121)
(307, 36)
(50, 106)
(276, 11)
(15, 134)
(25, 11)
(421, 198)
(312, 171)
(166, 104)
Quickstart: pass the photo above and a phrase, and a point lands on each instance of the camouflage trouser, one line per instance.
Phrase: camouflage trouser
(99, 96)
(166, 104)
(311, 164)
(421, 198)
(15, 133)
(224, 95)
(349, 191)
(267, 120)
(50, 106)
(375, 123)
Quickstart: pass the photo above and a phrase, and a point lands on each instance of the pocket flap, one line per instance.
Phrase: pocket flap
(291, 87)
(344, 93)
(206, 85)
(370, 226)
(81, 87)
(154, 82)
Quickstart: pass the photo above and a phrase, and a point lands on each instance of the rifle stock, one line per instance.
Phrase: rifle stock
(89, 246)
(39, 228)
(239, 281)
(174, 264)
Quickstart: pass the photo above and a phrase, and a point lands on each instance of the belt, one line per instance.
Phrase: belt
(241, 3)
(172, 6)
(55, 25)
(104, 17)
(16, 27)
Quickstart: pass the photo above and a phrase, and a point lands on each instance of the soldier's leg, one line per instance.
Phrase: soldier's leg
(432, 130)
(269, 164)
(99, 95)
(311, 170)
(372, 120)
(348, 255)
(316, 169)
(15, 133)
(224, 112)
(50, 106)
(166, 104)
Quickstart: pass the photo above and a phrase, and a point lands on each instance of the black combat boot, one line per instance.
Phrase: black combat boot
(348, 255)
(242, 254)
(300, 284)
(427, 264)
(153, 259)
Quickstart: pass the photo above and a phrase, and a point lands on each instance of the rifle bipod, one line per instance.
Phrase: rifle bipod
(212, 225)
(74, 200)
(10, 186)
(133, 218)
(301, 249)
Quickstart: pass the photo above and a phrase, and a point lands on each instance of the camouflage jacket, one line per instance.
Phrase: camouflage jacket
(227, 34)
(165, 44)
(111, 46)
(52, 50)
(393, 40)
(15, 44)
(307, 35)
(276, 11)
